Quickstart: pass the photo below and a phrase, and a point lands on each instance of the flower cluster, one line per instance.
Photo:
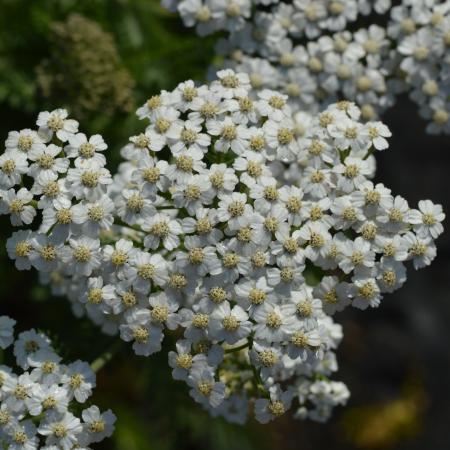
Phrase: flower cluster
(305, 49)
(232, 227)
(40, 397)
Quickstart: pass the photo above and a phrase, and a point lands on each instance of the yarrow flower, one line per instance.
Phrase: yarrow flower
(40, 397)
(312, 51)
(244, 236)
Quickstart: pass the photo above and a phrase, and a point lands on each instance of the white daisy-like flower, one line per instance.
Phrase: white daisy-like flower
(276, 406)
(162, 230)
(56, 122)
(82, 256)
(427, 220)
(138, 328)
(23, 140)
(204, 388)
(62, 430)
(97, 425)
(6, 331)
(16, 204)
(13, 165)
(229, 324)
(79, 379)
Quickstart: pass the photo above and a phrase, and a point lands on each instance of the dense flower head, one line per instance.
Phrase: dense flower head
(233, 226)
(40, 397)
(312, 50)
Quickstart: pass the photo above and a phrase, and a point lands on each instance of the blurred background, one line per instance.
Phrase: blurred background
(103, 58)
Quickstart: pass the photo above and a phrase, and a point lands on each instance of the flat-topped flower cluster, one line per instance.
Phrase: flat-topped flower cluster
(232, 227)
(40, 397)
(313, 51)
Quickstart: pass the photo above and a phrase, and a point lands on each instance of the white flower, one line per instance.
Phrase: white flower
(161, 229)
(22, 436)
(133, 207)
(94, 216)
(196, 323)
(422, 251)
(163, 311)
(230, 135)
(47, 161)
(352, 174)
(229, 324)
(83, 149)
(315, 235)
(365, 291)
(377, 132)
(308, 309)
(190, 138)
(118, 256)
(146, 269)
(46, 252)
(61, 429)
(333, 294)
(79, 379)
(48, 397)
(230, 84)
(396, 215)
(86, 182)
(50, 189)
(27, 345)
(97, 425)
(182, 360)
(12, 166)
(148, 141)
(193, 193)
(56, 122)
(234, 210)
(391, 275)
(205, 389)
(59, 217)
(6, 331)
(23, 141)
(357, 253)
(18, 390)
(203, 225)
(17, 205)
(82, 255)
(427, 221)
(151, 175)
(273, 105)
(97, 294)
(46, 368)
(274, 322)
(268, 409)
(138, 328)
(281, 137)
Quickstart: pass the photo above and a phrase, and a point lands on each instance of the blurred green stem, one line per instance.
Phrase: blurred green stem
(236, 349)
(106, 356)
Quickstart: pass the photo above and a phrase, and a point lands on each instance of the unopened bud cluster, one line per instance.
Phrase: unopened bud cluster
(40, 397)
(232, 226)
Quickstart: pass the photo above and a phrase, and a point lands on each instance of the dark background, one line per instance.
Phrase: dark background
(395, 359)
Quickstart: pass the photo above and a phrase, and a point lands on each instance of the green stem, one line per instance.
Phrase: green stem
(106, 356)
(258, 383)
(237, 349)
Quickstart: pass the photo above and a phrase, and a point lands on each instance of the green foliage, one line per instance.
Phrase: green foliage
(84, 70)
(153, 47)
